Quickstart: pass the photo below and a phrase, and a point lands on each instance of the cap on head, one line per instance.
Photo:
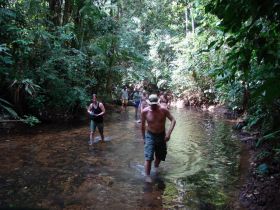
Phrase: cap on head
(153, 99)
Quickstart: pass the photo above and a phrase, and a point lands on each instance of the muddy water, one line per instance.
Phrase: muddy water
(55, 168)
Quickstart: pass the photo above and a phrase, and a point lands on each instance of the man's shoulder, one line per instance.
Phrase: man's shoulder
(163, 109)
(146, 109)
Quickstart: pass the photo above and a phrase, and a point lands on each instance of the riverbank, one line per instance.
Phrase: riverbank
(261, 189)
(260, 181)
(10, 126)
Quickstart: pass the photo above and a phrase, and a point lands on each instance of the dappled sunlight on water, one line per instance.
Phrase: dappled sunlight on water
(55, 168)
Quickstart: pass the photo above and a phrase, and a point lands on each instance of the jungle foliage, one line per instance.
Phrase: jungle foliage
(54, 54)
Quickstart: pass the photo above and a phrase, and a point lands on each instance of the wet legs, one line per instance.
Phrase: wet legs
(124, 105)
(102, 135)
(148, 164)
(156, 164)
(91, 137)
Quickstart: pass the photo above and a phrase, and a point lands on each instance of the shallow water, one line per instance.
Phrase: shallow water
(55, 168)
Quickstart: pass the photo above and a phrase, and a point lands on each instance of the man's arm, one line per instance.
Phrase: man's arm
(142, 106)
(89, 109)
(172, 125)
(143, 125)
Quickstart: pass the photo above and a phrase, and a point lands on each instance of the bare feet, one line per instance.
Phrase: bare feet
(148, 179)
(156, 170)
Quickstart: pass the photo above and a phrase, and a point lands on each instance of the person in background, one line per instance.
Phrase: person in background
(163, 100)
(143, 103)
(169, 98)
(96, 111)
(136, 101)
(155, 136)
(124, 98)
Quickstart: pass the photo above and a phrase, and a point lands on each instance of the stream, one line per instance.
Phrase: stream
(53, 167)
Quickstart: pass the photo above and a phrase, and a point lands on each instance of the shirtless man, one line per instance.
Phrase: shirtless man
(156, 136)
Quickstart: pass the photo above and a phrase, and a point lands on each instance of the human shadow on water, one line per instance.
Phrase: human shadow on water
(152, 194)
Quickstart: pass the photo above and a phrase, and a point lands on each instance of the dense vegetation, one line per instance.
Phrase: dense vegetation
(54, 54)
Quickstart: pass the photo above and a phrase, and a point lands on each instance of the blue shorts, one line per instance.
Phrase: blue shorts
(93, 126)
(155, 145)
(136, 103)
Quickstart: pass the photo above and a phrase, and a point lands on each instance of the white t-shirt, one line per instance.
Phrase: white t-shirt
(124, 94)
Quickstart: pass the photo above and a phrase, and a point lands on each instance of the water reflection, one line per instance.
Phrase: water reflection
(204, 161)
(152, 194)
(57, 169)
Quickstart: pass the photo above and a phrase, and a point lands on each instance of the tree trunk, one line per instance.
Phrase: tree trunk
(119, 9)
(245, 97)
(111, 57)
(55, 7)
(78, 20)
(68, 8)
(193, 29)
(186, 20)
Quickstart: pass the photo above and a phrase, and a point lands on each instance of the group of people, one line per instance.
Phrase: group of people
(139, 99)
(154, 112)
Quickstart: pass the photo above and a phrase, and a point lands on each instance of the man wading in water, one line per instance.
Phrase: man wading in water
(96, 110)
(156, 136)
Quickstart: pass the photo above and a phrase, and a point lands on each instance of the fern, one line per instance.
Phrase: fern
(269, 137)
(7, 107)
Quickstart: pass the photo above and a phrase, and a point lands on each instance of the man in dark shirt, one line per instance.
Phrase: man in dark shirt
(96, 111)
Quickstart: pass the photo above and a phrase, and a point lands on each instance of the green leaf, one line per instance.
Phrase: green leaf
(270, 137)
